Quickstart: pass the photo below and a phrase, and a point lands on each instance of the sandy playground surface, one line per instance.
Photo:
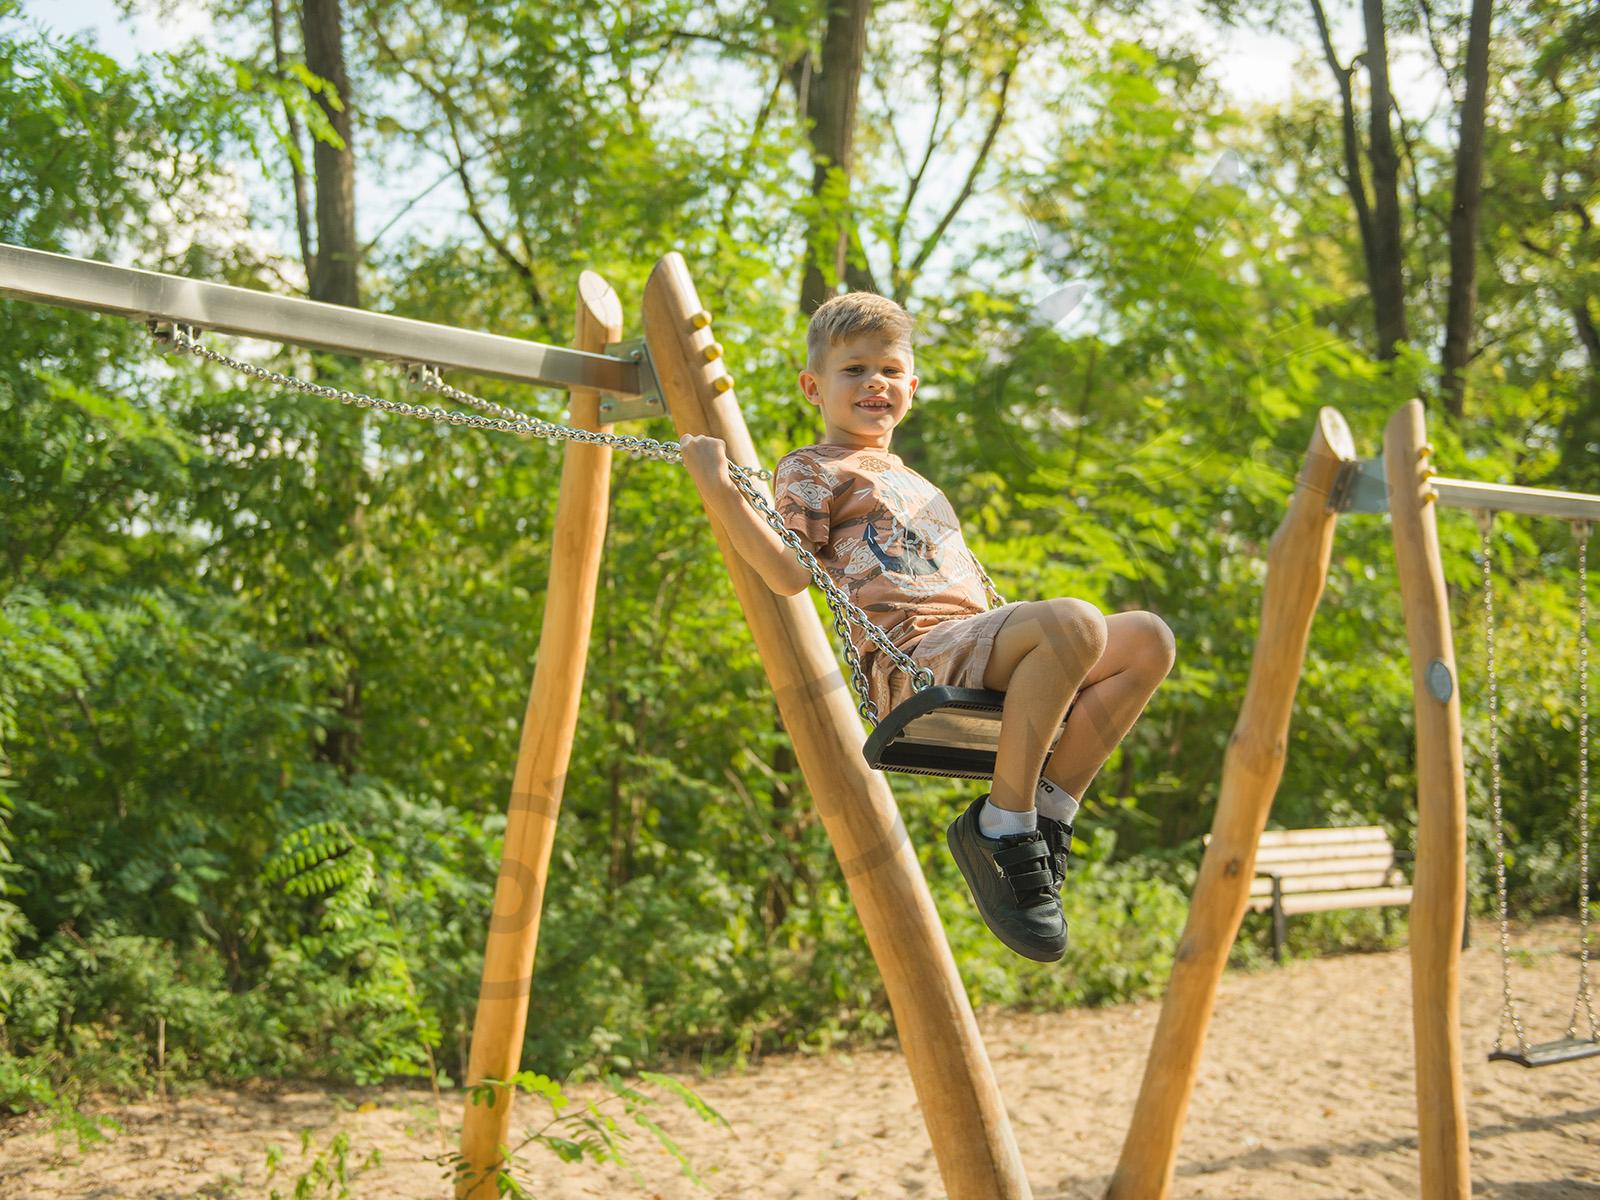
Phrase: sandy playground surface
(1305, 1091)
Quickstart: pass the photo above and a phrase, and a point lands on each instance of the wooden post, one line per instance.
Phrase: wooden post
(1280, 920)
(542, 758)
(1297, 569)
(972, 1139)
(1439, 883)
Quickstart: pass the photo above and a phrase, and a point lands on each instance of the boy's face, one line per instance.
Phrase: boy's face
(864, 390)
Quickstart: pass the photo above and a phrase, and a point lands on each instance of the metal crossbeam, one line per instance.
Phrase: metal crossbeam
(1361, 488)
(145, 295)
(1501, 497)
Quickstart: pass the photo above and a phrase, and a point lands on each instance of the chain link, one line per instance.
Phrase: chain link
(426, 378)
(842, 607)
(1584, 1000)
(498, 418)
(1508, 1003)
(996, 600)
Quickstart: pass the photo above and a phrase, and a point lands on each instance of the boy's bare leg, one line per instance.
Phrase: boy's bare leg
(1040, 658)
(1138, 655)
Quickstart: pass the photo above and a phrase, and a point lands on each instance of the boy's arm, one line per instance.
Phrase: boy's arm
(751, 536)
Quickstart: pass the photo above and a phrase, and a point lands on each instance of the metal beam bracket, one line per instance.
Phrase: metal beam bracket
(648, 403)
(423, 377)
(1360, 487)
(172, 337)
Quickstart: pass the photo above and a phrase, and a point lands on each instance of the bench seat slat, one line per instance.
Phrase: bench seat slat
(1324, 837)
(1355, 850)
(1327, 901)
(1327, 882)
(1327, 866)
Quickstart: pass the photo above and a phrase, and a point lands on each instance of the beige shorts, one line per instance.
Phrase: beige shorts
(956, 651)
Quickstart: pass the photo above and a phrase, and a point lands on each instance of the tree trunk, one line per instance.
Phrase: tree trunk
(302, 204)
(829, 93)
(333, 275)
(1388, 286)
(1580, 430)
(1354, 176)
(1464, 212)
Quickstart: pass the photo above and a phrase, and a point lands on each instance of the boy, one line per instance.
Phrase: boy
(890, 540)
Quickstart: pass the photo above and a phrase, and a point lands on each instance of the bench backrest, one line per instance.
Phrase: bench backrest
(1322, 860)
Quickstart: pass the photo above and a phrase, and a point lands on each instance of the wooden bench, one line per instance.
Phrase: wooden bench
(1315, 870)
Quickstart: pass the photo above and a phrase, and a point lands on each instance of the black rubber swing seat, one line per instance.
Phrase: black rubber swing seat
(950, 731)
(1548, 1054)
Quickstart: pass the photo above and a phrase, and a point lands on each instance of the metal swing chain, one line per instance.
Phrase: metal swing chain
(921, 677)
(1508, 1003)
(181, 339)
(498, 418)
(1585, 997)
(996, 600)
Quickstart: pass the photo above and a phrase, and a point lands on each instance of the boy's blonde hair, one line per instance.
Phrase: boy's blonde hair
(851, 315)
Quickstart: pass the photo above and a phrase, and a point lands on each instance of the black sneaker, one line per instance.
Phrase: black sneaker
(1058, 840)
(1011, 883)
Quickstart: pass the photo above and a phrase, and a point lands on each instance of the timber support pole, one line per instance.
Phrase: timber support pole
(1439, 883)
(1297, 569)
(542, 761)
(955, 1086)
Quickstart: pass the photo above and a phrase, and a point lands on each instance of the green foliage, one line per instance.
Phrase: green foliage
(353, 951)
(593, 1130)
(329, 1175)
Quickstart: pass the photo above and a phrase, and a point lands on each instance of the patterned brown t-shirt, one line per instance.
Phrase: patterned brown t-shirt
(886, 537)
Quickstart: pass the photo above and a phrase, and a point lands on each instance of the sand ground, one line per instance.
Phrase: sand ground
(1305, 1092)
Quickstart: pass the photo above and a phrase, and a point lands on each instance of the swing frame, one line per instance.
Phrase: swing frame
(1401, 482)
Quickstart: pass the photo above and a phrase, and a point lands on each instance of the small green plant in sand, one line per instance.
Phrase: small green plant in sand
(328, 1176)
(597, 1130)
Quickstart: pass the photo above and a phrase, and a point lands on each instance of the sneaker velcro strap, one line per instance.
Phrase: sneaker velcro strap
(1023, 852)
(1029, 880)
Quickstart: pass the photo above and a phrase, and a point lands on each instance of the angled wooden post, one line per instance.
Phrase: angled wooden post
(542, 758)
(1297, 569)
(955, 1086)
(1439, 881)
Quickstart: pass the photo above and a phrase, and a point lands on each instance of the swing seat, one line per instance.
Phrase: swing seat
(1548, 1054)
(949, 731)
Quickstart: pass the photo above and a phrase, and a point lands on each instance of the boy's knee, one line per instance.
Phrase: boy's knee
(1076, 627)
(1160, 647)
